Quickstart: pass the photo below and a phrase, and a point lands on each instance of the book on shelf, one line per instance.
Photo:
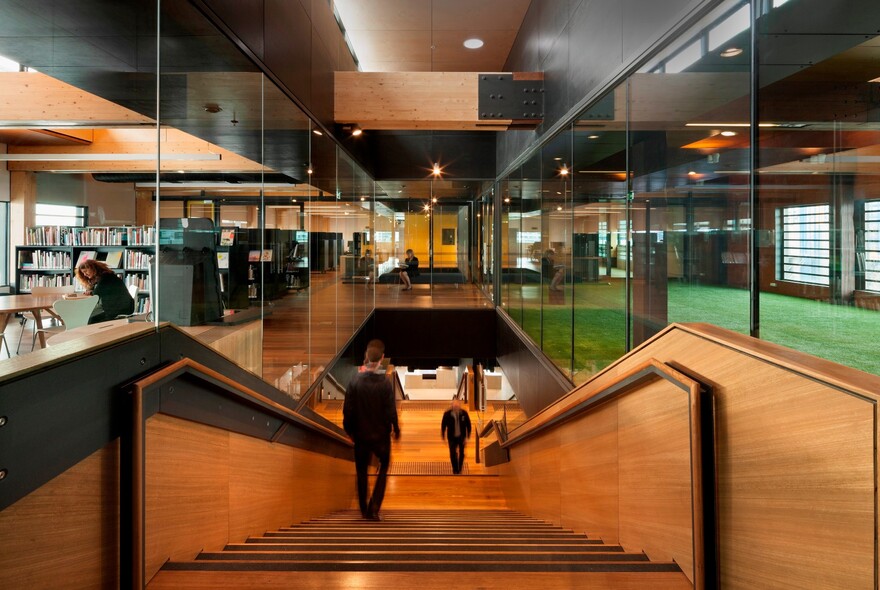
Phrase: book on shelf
(86, 255)
(222, 260)
(254, 256)
(267, 256)
(114, 259)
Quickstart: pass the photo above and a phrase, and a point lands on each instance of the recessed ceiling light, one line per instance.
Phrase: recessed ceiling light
(728, 133)
(317, 132)
(473, 43)
(557, 158)
(592, 137)
(692, 173)
(731, 52)
(877, 80)
(356, 132)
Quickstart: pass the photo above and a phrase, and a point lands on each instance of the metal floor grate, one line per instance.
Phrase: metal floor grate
(423, 406)
(510, 405)
(424, 468)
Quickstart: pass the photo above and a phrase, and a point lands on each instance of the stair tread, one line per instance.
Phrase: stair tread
(361, 565)
(423, 541)
(420, 555)
(592, 546)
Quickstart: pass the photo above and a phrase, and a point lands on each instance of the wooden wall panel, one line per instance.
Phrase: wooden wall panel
(66, 532)
(589, 475)
(544, 485)
(187, 490)
(796, 463)
(514, 478)
(273, 485)
(207, 487)
(796, 466)
(656, 503)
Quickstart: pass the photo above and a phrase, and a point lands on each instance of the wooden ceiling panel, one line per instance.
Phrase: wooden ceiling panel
(384, 15)
(409, 45)
(448, 46)
(389, 35)
(397, 66)
(485, 15)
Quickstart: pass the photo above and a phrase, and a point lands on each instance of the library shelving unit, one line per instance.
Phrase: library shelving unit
(52, 252)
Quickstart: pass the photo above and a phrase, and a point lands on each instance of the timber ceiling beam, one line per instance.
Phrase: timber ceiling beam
(439, 101)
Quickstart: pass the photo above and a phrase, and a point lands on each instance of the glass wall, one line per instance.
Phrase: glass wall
(817, 178)
(689, 158)
(673, 217)
(266, 226)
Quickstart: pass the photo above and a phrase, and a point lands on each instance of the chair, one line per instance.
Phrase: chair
(37, 291)
(73, 312)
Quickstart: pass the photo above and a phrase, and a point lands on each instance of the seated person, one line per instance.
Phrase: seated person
(366, 263)
(409, 270)
(113, 296)
(549, 268)
(366, 266)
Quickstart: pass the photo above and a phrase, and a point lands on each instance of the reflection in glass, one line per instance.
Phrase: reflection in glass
(816, 227)
(690, 192)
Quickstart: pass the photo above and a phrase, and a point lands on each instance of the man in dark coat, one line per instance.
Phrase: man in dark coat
(456, 426)
(368, 416)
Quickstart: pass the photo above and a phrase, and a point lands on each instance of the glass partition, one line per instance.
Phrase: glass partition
(817, 223)
(599, 187)
(515, 244)
(561, 265)
(689, 158)
(533, 243)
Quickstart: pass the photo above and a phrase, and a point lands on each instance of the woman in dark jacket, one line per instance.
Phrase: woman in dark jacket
(411, 270)
(113, 296)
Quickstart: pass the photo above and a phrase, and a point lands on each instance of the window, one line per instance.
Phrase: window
(528, 237)
(729, 28)
(685, 58)
(872, 246)
(805, 247)
(61, 215)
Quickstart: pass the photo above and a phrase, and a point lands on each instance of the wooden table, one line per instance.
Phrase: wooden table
(12, 304)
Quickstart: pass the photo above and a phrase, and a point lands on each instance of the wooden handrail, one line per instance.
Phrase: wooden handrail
(585, 398)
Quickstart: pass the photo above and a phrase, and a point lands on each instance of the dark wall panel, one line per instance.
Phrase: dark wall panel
(535, 379)
(437, 333)
(289, 47)
(579, 44)
(410, 154)
(322, 99)
(245, 17)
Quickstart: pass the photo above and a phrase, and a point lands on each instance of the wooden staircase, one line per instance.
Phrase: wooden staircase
(432, 547)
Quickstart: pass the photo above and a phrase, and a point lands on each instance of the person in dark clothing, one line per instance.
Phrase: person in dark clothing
(411, 270)
(368, 416)
(456, 427)
(113, 296)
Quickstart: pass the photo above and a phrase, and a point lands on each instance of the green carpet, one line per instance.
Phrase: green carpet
(837, 333)
(833, 332)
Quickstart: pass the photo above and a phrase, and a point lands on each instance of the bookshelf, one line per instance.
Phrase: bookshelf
(51, 253)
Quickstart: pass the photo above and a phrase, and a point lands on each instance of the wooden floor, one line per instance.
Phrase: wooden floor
(338, 309)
